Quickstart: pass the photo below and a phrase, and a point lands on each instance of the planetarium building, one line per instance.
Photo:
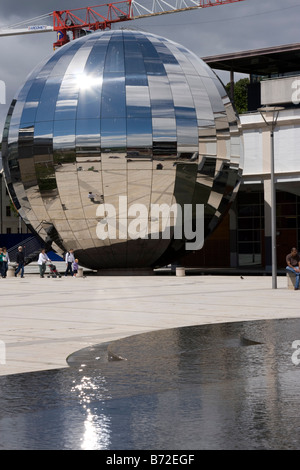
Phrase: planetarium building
(115, 120)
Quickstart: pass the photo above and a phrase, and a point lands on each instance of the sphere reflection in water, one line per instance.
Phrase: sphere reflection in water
(110, 126)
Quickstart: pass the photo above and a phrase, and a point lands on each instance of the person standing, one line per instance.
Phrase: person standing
(20, 261)
(42, 262)
(1, 262)
(75, 268)
(293, 265)
(69, 261)
(6, 260)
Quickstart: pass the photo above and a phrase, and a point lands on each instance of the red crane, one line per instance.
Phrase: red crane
(80, 20)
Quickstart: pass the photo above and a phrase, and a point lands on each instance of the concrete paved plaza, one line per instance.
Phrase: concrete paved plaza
(42, 321)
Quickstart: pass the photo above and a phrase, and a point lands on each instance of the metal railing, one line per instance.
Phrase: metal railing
(31, 248)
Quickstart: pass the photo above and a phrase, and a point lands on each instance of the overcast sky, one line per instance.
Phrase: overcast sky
(249, 24)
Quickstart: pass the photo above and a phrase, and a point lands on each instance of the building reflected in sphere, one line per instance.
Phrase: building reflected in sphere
(115, 119)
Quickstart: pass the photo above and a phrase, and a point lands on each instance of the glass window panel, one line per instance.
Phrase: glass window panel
(207, 166)
(154, 67)
(13, 134)
(66, 55)
(135, 65)
(139, 132)
(87, 136)
(147, 49)
(183, 112)
(187, 134)
(136, 80)
(249, 235)
(285, 197)
(18, 108)
(28, 173)
(134, 62)
(246, 197)
(248, 223)
(183, 100)
(60, 56)
(45, 174)
(95, 61)
(25, 141)
(64, 142)
(182, 56)
(287, 222)
(165, 149)
(163, 50)
(248, 210)
(78, 62)
(89, 98)
(43, 138)
(114, 61)
(152, 61)
(164, 129)
(113, 103)
(161, 98)
(113, 134)
(212, 92)
(138, 101)
(67, 98)
(202, 68)
(32, 101)
(46, 109)
(201, 99)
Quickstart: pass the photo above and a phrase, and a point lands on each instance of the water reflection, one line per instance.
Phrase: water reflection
(223, 386)
(96, 432)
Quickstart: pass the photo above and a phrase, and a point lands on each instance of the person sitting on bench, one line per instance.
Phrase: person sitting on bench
(293, 265)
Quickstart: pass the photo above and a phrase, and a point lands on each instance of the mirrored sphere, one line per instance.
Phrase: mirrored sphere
(108, 134)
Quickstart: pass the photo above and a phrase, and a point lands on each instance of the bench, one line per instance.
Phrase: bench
(291, 279)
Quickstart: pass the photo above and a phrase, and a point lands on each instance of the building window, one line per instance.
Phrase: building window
(8, 211)
(8, 230)
(250, 226)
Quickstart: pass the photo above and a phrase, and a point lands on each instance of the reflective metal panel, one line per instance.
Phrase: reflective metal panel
(108, 136)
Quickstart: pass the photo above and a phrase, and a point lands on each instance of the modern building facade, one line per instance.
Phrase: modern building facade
(114, 123)
(244, 237)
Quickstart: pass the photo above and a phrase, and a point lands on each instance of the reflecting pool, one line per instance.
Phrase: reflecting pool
(221, 386)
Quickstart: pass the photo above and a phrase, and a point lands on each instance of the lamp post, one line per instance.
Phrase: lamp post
(270, 116)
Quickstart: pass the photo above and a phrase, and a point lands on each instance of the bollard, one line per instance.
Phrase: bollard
(11, 271)
(180, 272)
(80, 272)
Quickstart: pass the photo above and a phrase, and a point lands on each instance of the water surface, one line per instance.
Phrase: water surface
(221, 386)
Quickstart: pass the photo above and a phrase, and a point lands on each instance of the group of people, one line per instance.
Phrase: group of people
(72, 263)
(292, 261)
(4, 260)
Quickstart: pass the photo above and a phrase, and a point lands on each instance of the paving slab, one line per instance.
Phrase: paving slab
(43, 321)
